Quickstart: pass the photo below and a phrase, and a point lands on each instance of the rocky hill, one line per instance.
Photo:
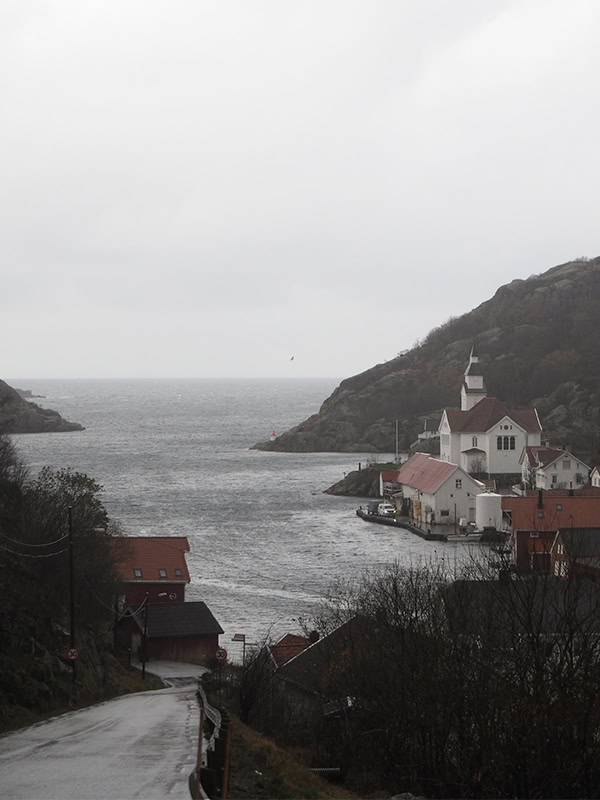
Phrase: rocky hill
(538, 343)
(18, 415)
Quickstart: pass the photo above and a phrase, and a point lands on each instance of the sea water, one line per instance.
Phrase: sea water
(174, 459)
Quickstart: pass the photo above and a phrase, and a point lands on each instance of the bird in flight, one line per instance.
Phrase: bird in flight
(292, 358)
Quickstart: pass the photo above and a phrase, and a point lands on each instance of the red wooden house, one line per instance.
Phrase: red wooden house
(171, 631)
(152, 566)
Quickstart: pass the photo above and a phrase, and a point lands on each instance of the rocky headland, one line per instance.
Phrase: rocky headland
(18, 415)
(538, 344)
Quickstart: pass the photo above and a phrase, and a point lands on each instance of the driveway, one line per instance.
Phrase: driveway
(137, 746)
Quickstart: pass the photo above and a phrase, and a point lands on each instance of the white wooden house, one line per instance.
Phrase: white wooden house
(545, 467)
(437, 491)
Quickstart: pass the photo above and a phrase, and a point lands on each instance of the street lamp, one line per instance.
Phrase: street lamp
(241, 637)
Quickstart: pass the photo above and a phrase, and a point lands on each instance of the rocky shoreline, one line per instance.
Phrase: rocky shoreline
(18, 415)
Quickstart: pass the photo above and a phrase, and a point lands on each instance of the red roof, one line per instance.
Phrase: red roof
(487, 413)
(288, 647)
(151, 555)
(425, 473)
(577, 511)
(543, 456)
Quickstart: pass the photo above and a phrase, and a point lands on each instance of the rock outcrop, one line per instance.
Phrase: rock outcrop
(538, 344)
(18, 415)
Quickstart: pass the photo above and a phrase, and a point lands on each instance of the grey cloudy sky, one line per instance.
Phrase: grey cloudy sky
(195, 188)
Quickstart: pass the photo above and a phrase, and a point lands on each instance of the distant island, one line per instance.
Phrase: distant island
(538, 346)
(18, 415)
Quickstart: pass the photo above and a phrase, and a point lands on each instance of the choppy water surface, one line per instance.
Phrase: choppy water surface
(174, 459)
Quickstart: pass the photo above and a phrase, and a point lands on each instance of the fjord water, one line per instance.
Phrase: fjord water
(174, 459)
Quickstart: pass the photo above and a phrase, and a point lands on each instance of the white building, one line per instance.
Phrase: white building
(438, 491)
(595, 476)
(546, 467)
(486, 435)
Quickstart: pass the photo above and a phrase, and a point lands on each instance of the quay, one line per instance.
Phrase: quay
(401, 523)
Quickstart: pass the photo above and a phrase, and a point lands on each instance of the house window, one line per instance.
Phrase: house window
(498, 443)
(178, 572)
(559, 506)
(162, 573)
(554, 480)
(567, 464)
(512, 442)
(458, 483)
(137, 572)
(474, 441)
(444, 513)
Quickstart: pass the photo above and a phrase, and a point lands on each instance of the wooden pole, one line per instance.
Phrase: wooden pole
(71, 589)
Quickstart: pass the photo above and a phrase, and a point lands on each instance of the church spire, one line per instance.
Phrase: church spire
(473, 388)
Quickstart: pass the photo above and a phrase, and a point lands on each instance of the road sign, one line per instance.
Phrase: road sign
(221, 654)
(72, 654)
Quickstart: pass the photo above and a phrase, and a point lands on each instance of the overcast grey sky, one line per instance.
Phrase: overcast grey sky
(195, 188)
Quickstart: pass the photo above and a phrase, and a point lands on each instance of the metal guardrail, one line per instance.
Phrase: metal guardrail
(210, 779)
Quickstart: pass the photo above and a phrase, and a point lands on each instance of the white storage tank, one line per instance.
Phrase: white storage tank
(488, 511)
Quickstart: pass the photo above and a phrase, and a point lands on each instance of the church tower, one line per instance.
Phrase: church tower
(473, 388)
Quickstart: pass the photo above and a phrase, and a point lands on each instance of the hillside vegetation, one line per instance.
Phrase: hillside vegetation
(538, 343)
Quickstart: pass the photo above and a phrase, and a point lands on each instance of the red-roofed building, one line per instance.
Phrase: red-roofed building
(436, 491)
(153, 566)
(486, 435)
(545, 467)
(535, 518)
(289, 646)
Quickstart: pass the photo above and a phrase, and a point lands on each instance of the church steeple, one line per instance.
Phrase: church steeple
(473, 388)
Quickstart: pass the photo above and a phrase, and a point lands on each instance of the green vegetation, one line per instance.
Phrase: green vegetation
(36, 677)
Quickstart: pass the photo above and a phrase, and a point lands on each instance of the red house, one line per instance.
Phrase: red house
(153, 566)
(535, 518)
(172, 632)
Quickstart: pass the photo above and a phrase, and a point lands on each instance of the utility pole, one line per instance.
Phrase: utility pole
(145, 647)
(71, 591)
(397, 456)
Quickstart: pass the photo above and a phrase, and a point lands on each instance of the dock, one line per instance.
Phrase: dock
(379, 519)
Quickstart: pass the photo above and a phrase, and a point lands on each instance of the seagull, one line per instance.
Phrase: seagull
(292, 358)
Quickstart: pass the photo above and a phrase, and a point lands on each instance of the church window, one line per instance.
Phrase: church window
(506, 442)
(498, 443)
(512, 442)
(474, 441)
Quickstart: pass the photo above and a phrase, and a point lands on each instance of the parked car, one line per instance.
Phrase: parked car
(386, 509)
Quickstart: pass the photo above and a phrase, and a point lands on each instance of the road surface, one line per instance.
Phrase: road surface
(137, 746)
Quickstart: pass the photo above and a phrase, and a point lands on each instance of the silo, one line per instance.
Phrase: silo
(488, 511)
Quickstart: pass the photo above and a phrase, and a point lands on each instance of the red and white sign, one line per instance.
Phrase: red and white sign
(221, 654)
(72, 654)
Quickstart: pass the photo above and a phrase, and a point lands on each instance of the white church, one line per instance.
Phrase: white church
(486, 436)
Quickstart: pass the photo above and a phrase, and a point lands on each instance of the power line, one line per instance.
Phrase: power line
(28, 544)
(27, 555)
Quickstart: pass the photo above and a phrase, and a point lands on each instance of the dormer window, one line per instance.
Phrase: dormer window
(474, 441)
(162, 573)
(137, 572)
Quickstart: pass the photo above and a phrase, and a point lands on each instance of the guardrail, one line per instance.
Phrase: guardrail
(210, 779)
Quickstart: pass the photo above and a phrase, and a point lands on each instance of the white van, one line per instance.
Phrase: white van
(386, 509)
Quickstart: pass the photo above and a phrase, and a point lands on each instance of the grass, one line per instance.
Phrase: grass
(261, 769)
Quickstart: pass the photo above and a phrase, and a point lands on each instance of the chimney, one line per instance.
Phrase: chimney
(540, 502)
